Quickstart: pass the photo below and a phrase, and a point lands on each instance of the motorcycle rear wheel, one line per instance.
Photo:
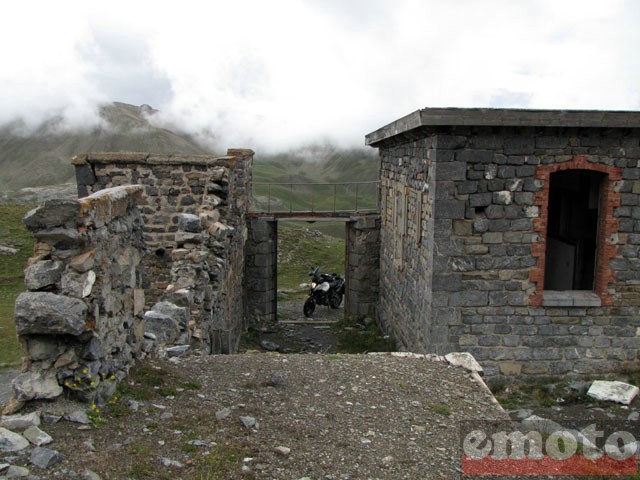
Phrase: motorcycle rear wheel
(335, 299)
(309, 307)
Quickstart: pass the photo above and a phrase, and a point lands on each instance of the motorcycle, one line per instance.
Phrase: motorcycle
(326, 289)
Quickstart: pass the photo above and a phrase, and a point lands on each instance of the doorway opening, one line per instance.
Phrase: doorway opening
(303, 246)
(572, 229)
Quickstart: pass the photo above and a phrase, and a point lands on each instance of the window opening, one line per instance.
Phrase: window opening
(572, 230)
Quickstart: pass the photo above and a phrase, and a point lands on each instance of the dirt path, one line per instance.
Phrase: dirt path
(295, 333)
(270, 416)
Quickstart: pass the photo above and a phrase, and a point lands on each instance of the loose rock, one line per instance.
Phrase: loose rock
(50, 419)
(15, 471)
(282, 451)
(37, 436)
(21, 422)
(222, 414)
(90, 475)
(167, 462)
(613, 391)
(11, 441)
(278, 379)
(4, 250)
(78, 416)
(177, 351)
(248, 422)
(44, 457)
(464, 360)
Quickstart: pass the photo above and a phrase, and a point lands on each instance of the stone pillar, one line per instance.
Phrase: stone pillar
(363, 266)
(260, 271)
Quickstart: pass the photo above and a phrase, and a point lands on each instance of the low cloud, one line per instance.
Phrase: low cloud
(275, 76)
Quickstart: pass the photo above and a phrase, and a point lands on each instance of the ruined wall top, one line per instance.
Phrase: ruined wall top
(233, 155)
(417, 122)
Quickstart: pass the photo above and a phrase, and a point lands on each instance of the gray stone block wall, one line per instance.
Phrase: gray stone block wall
(80, 323)
(363, 266)
(195, 232)
(482, 267)
(260, 280)
(406, 243)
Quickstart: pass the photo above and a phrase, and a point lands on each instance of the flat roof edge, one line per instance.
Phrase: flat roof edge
(505, 117)
(402, 125)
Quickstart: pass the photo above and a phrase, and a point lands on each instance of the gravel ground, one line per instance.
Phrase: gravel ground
(295, 333)
(325, 417)
(316, 416)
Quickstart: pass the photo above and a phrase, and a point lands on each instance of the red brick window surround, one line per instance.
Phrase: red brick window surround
(607, 226)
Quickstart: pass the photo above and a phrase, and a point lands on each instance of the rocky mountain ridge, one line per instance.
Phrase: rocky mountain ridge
(41, 156)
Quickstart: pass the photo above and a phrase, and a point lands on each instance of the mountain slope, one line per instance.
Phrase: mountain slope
(43, 156)
(316, 164)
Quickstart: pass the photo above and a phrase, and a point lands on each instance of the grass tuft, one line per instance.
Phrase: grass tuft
(440, 408)
(355, 335)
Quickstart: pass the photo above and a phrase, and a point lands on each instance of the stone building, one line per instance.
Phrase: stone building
(513, 235)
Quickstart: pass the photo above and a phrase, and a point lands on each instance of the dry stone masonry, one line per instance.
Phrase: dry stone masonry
(193, 209)
(153, 253)
(513, 235)
(80, 323)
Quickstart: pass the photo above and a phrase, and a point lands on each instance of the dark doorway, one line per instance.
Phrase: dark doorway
(572, 230)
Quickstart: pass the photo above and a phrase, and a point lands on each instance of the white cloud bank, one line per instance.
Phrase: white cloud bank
(281, 73)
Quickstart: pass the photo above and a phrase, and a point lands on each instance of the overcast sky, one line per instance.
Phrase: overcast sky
(270, 74)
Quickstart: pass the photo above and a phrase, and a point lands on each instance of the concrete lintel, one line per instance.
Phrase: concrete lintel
(570, 298)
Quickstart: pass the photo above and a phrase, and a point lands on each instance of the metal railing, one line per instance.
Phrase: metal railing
(292, 197)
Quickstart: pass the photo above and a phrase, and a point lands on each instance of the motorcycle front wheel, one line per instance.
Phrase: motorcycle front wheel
(335, 299)
(309, 307)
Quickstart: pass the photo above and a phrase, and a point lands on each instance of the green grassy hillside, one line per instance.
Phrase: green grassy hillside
(12, 234)
(301, 248)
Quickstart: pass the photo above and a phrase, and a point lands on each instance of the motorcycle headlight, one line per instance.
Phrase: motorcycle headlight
(314, 285)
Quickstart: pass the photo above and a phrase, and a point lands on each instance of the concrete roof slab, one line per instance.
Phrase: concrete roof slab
(503, 117)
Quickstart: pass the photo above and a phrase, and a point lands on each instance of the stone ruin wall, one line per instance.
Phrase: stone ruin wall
(152, 253)
(193, 209)
(80, 322)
